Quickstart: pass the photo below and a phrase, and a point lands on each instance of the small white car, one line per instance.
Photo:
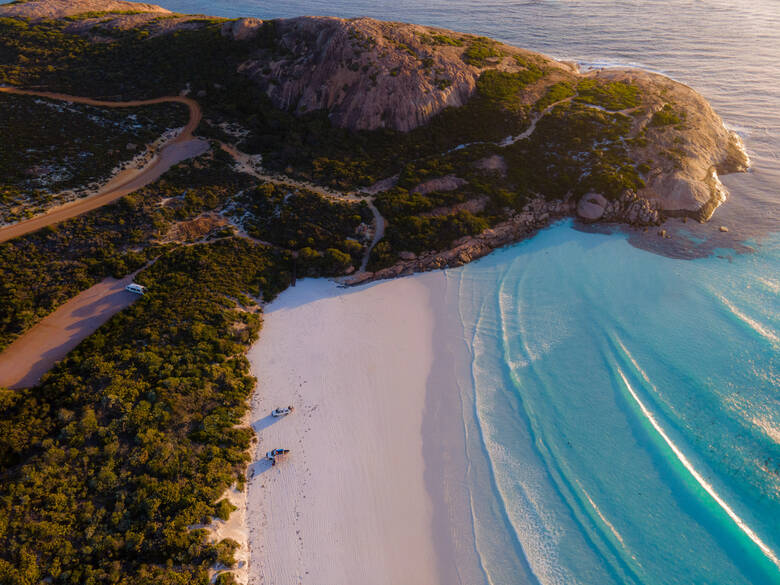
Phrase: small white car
(135, 288)
(277, 412)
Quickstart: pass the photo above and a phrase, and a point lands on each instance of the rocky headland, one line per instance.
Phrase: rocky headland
(493, 128)
(369, 74)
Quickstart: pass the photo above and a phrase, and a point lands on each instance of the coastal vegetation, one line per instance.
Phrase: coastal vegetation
(440, 39)
(323, 231)
(70, 146)
(503, 87)
(612, 95)
(45, 268)
(555, 93)
(481, 51)
(308, 145)
(666, 116)
(132, 439)
(581, 149)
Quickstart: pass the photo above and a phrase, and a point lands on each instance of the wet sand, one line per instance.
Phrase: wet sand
(24, 362)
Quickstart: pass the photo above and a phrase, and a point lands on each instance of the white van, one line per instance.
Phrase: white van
(135, 288)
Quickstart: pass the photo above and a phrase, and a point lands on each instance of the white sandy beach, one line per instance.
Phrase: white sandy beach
(349, 504)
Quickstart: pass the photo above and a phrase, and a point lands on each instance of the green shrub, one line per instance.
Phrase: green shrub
(296, 219)
(666, 116)
(480, 51)
(502, 86)
(223, 509)
(440, 39)
(612, 95)
(226, 548)
(226, 578)
(555, 93)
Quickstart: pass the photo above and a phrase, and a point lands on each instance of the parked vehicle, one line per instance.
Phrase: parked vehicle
(277, 412)
(136, 288)
(273, 454)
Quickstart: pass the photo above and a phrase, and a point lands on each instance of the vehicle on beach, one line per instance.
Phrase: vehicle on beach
(135, 288)
(273, 454)
(277, 412)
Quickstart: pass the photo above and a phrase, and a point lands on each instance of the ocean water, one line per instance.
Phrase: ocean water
(628, 405)
(626, 401)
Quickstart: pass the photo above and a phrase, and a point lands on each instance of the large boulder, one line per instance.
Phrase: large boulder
(242, 29)
(591, 206)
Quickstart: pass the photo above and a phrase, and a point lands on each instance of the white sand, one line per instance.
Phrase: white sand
(349, 504)
(235, 529)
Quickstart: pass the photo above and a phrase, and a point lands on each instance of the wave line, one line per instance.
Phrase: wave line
(760, 328)
(698, 477)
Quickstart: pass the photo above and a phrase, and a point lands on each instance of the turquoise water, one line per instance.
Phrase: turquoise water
(627, 402)
(628, 406)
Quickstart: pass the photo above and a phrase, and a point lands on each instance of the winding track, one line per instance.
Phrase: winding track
(181, 147)
(245, 165)
(186, 146)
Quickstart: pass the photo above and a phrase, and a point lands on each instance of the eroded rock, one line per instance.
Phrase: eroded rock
(446, 183)
(591, 206)
(242, 29)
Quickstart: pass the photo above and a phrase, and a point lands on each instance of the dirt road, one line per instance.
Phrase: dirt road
(180, 148)
(24, 361)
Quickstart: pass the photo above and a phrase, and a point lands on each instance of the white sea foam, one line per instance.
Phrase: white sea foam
(770, 284)
(602, 516)
(763, 330)
(769, 427)
(681, 457)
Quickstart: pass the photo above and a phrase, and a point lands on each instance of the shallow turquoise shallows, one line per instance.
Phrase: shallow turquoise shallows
(628, 406)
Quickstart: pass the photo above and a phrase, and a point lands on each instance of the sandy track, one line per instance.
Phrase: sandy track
(24, 362)
(180, 148)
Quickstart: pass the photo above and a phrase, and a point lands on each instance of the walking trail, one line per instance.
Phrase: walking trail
(247, 165)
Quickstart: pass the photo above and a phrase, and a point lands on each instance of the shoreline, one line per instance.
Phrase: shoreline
(404, 495)
(472, 531)
(445, 447)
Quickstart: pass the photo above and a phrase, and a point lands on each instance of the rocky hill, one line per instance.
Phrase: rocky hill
(369, 74)
(505, 124)
(37, 10)
(94, 18)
